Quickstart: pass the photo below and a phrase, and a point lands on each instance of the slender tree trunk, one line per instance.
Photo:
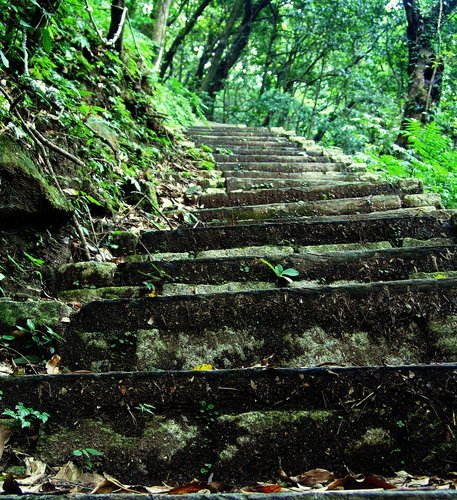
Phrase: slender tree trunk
(216, 60)
(160, 30)
(220, 68)
(168, 58)
(425, 65)
(270, 50)
(116, 28)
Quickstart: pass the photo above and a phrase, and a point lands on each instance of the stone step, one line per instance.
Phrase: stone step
(343, 190)
(282, 170)
(241, 421)
(393, 322)
(313, 231)
(342, 206)
(242, 151)
(376, 261)
(313, 179)
(229, 142)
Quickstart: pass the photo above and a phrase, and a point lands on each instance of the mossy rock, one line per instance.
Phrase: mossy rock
(42, 312)
(27, 197)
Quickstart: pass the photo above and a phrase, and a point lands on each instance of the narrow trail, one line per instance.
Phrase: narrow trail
(349, 367)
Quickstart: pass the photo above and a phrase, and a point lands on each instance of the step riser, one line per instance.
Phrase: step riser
(418, 404)
(379, 265)
(281, 171)
(314, 179)
(327, 231)
(350, 190)
(323, 207)
(357, 324)
(294, 414)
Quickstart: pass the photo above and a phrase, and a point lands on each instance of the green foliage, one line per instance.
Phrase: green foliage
(146, 408)
(280, 272)
(430, 157)
(87, 455)
(25, 417)
(41, 339)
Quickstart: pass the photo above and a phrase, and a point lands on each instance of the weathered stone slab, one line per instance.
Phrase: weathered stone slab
(26, 196)
(344, 190)
(316, 231)
(343, 206)
(232, 418)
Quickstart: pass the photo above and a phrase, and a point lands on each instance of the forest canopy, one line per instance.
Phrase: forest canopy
(358, 75)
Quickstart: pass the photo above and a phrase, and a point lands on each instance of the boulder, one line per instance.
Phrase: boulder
(26, 196)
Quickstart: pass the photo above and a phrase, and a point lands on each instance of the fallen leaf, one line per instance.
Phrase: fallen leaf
(109, 484)
(152, 294)
(265, 488)
(6, 369)
(203, 367)
(5, 433)
(310, 477)
(52, 366)
(35, 470)
(367, 483)
(187, 488)
(69, 472)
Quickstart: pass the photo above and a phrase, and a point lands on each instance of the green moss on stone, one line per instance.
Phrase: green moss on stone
(86, 295)
(16, 163)
(41, 312)
(345, 247)
(375, 436)
(162, 438)
(191, 289)
(224, 348)
(267, 251)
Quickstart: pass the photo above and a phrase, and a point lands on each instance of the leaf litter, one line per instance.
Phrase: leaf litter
(72, 479)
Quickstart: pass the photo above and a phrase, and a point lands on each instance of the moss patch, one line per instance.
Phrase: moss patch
(26, 193)
(224, 349)
(86, 295)
(42, 313)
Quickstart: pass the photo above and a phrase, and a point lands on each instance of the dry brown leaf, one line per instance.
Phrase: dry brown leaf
(5, 433)
(52, 366)
(6, 369)
(195, 487)
(367, 483)
(109, 484)
(308, 478)
(69, 472)
(264, 488)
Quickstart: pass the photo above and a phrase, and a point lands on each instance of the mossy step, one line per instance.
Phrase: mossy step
(352, 323)
(313, 231)
(228, 142)
(260, 159)
(284, 171)
(343, 190)
(341, 206)
(277, 150)
(240, 421)
(327, 263)
(312, 180)
(269, 161)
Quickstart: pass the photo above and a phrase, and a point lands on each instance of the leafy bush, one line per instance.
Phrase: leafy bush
(430, 157)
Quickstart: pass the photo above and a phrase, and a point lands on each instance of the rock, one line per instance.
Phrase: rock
(26, 196)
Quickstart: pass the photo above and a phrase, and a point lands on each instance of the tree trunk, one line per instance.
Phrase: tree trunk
(425, 65)
(168, 59)
(116, 28)
(160, 29)
(220, 68)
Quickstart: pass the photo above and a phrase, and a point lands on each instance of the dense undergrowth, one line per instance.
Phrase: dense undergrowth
(108, 110)
(429, 156)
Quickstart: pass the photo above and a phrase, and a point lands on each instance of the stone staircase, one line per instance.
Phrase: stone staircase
(350, 367)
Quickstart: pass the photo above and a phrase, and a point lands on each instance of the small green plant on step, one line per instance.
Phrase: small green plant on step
(43, 340)
(86, 457)
(146, 408)
(280, 272)
(25, 417)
